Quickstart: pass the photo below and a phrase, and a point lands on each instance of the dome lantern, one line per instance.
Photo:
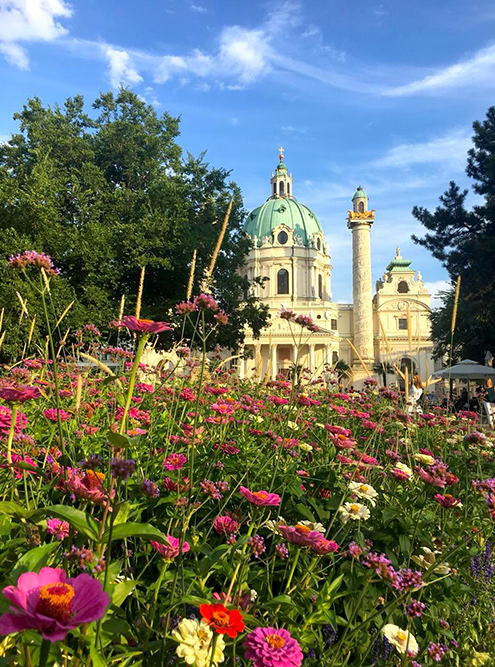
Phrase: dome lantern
(360, 201)
(281, 180)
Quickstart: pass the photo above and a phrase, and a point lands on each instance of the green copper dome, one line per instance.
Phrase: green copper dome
(280, 210)
(360, 193)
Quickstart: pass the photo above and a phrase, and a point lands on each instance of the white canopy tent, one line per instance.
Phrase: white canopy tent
(465, 370)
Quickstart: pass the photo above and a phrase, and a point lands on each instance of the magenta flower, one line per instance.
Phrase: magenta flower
(143, 326)
(260, 498)
(52, 604)
(324, 547)
(6, 418)
(32, 258)
(174, 461)
(301, 535)
(19, 394)
(51, 415)
(171, 550)
(269, 647)
(58, 528)
(226, 525)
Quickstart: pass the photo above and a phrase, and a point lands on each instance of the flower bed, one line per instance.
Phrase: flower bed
(241, 523)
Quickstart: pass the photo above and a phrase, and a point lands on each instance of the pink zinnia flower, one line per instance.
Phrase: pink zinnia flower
(261, 498)
(58, 528)
(270, 647)
(89, 486)
(19, 394)
(52, 604)
(51, 415)
(174, 461)
(171, 550)
(301, 535)
(226, 525)
(20, 458)
(324, 547)
(142, 326)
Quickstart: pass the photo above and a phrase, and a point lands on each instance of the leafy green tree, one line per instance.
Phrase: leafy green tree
(106, 193)
(464, 241)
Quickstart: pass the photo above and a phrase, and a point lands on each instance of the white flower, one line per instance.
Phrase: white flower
(403, 468)
(425, 458)
(195, 642)
(305, 447)
(256, 418)
(319, 527)
(253, 595)
(364, 491)
(273, 525)
(354, 511)
(292, 425)
(403, 640)
(428, 558)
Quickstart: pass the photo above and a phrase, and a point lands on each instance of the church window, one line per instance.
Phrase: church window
(281, 189)
(282, 237)
(274, 188)
(403, 287)
(318, 243)
(361, 207)
(283, 281)
(403, 323)
(288, 188)
(320, 286)
(335, 357)
(333, 325)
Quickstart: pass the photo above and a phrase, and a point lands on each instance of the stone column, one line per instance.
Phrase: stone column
(361, 288)
(274, 361)
(312, 357)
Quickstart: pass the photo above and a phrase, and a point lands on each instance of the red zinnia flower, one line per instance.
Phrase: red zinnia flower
(143, 326)
(223, 621)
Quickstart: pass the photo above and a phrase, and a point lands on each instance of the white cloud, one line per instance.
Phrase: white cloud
(290, 129)
(311, 31)
(199, 9)
(449, 149)
(120, 68)
(15, 54)
(473, 72)
(244, 53)
(234, 121)
(4, 139)
(29, 21)
(434, 288)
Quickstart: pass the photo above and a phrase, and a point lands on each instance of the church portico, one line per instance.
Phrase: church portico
(291, 257)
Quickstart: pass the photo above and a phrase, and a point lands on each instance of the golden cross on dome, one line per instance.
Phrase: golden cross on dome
(281, 154)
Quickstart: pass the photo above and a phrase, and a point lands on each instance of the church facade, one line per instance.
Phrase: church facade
(388, 325)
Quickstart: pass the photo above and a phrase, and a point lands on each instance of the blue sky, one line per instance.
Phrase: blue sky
(381, 94)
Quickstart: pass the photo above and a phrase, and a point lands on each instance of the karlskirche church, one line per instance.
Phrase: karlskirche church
(390, 324)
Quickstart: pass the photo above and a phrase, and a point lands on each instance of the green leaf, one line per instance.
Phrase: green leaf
(305, 512)
(118, 440)
(78, 519)
(278, 601)
(330, 587)
(96, 658)
(13, 509)
(123, 512)
(35, 559)
(121, 591)
(144, 530)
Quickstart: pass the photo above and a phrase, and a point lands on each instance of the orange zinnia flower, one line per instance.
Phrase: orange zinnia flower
(220, 619)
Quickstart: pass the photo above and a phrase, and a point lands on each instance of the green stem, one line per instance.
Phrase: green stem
(292, 570)
(13, 418)
(132, 380)
(44, 652)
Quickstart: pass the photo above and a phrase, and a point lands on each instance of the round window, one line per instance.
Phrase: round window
(282, 238)
(318, 243)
